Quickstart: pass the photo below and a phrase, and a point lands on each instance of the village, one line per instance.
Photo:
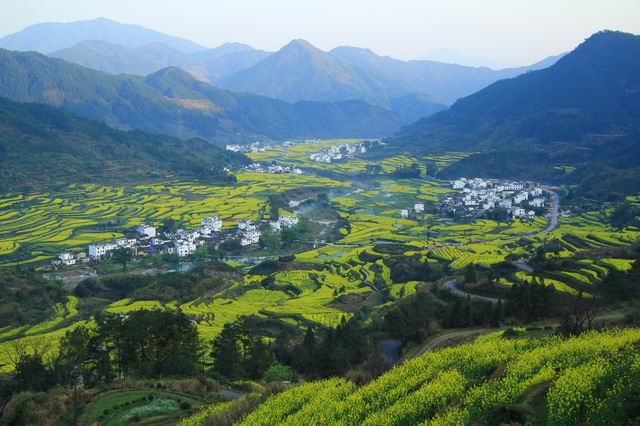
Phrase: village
(266, 145)
(273, 169)
(475, 197)
(147, 240)
(339, 152)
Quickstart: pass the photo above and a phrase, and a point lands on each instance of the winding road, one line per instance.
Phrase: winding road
(453, 286)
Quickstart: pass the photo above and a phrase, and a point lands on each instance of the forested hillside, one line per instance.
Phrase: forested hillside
(130, 102)
(584, 111)
(43, 146)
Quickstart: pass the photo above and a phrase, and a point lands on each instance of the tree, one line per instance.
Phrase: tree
(279, 373)
(470, 274)
(122, 256)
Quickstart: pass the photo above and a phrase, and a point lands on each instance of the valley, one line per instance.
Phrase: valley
(289, 234)
(368, 264)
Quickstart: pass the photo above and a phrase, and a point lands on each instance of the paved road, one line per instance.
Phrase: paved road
(453, 286)
(523, 265)
(555, 206)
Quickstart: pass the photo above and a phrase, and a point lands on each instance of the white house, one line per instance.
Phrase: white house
(246, 225)
(531, 214)
(537, 202)
(288, 221)
(250, 237)
(146, 230)
(275, 225)
(418, 207)
(404, 213)
(506, 203)
(536, 192)
(184, 248)
(519, 212)
(214, 223)
(67, 259)
(520, 197)
(96, 251)
(460, 183)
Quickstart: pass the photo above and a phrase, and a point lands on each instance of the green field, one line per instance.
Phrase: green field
(494, 380)
(38, 226)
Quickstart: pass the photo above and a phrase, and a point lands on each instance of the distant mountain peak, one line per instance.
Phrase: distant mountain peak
(53, 36)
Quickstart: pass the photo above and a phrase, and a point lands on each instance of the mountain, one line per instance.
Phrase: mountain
(445, 82)
(53, 36)
(582, 111)
(43, 146)
(413, 106)
(450, 56)
(215, 65)
(210, 65)
(300, 71)
(116, 59)
(173, 102)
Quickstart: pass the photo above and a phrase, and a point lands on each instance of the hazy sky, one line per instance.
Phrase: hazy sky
(511, 31)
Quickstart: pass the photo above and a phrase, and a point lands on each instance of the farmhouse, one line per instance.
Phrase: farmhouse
(184, 248)
(147, 231)
(96, 251)
(418, 207)
(211, 224)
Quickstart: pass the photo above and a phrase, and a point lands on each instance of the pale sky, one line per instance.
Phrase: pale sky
(514, 32)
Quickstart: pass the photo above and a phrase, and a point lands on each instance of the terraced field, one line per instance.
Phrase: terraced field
(39, 226)
(492, 380)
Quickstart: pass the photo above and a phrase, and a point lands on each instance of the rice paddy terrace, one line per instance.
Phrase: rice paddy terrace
(347, 272)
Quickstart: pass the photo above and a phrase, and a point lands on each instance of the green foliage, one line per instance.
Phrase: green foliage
(43, 145)
(27, 298)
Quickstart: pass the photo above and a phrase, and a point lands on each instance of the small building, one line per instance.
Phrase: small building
(404, 213)
(418, 207)
(96, 251)
(537, 202)
(288, 221)
(184, 248)
(147, 231)
(250, 237)
(67, 259)
(214, 223)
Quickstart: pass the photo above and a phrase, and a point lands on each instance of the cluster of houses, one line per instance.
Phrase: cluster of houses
(273, 169)
(418, 209)
(478, 196)
(148, 240)
(338, 152)
(264, 146)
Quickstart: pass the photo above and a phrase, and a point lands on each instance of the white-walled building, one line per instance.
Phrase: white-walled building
(418, 207)
(96, 251)
(214, 223)
(404, 213)
(184, 248)
(67, 259)
(250, 237)
(537, 202)
(146, 230)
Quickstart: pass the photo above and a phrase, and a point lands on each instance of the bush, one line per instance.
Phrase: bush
(279, 373)
(184, 405)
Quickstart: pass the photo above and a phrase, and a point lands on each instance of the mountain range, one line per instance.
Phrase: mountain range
(584, 111)
(173, 102)
(297, 72)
